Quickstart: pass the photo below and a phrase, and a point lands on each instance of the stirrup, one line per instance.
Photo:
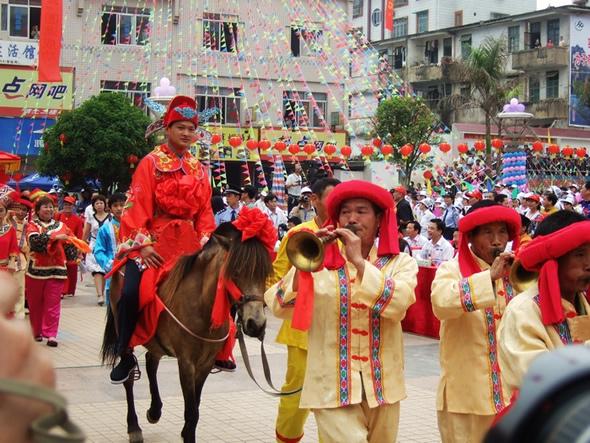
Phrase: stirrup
(55, 427)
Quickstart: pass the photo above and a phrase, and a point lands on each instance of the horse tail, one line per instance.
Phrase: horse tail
(108, 350)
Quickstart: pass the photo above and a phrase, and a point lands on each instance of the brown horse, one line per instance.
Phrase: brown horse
(189, 293)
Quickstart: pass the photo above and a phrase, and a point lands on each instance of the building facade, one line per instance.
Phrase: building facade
(267, 67)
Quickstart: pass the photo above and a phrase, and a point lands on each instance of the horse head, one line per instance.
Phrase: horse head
(247, 267)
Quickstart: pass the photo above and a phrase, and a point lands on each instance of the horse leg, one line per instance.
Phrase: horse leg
(133, 429)
(151, 367)
(187, 381)
(199, 383)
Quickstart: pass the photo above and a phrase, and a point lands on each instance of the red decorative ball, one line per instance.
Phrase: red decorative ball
(424, 148)
(346, 151)
(377, 142)
(444, 147)
(406, 150)
(580, 153)
(497, 143)
(479, 145)
(538, 146)
(215, 138)
(280, 146)
(235, 141)
(463, 148)
(553, 149)
(252, 144)
(329, 149)
(63, 138)
(386, 150)
(427, 175)
(309, 148)
(294, 149)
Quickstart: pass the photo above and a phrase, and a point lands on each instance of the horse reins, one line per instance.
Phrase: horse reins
(191, 333)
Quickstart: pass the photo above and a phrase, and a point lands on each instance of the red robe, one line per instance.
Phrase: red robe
(170, 198)
(72, 221)
(8, 244)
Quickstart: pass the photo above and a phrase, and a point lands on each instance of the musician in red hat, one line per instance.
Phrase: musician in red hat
(469, 296)
(353, 307)
(170, 192)
(76, 225)
(18, 215)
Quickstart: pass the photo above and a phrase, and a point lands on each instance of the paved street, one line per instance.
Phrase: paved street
(233, 409)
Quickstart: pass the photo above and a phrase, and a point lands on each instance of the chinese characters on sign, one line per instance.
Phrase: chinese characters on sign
(18, 53)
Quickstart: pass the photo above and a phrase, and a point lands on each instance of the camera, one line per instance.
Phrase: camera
(304, 199)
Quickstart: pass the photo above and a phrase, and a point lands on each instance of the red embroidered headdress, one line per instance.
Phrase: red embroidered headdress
(181, 108)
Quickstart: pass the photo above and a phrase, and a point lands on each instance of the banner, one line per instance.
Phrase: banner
(319, 138)
(18, 53)
(225, 151)
(22, 95)
(579, 99)
(389, 15)
(50, 40)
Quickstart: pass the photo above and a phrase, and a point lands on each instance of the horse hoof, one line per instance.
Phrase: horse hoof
(153, 418)
(135, 437)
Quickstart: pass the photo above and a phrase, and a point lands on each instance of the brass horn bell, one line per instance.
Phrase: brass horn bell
(305, 251)
(520, 278)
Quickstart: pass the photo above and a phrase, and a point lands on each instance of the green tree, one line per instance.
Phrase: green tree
(95, 141)
(405, 120)
(484, 72)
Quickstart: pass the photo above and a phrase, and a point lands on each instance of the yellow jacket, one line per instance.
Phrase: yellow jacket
(355, 344)
(469, 312)
(522, 336)
(287, 335)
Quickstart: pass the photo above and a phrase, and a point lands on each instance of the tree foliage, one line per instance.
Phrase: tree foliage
(94, 141)
(405, 120)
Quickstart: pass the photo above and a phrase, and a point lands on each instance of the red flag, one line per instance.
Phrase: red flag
(50, 41)
(389, 15)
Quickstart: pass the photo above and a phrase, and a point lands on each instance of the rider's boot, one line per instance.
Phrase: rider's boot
(124, 369)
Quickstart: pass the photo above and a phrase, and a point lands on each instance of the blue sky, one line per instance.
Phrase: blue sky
(541, 4)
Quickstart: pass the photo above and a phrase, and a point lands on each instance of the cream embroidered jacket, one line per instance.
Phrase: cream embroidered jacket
(469, 310)
(355, 339)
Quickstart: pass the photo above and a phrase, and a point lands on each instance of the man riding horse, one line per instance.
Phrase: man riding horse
(169, 199)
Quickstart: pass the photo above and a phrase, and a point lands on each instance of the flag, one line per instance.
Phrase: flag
(278, 182)
(50, 41)
(389, 15)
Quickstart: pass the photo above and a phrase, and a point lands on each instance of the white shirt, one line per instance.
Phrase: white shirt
(439, 252)
(278, 217)
(417, 242)
(293, 184)
(427, 217)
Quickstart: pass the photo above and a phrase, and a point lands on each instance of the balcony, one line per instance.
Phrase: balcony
(551, 108)
(540, 59)
(445, 72)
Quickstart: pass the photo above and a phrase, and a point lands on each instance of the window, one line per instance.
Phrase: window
(496, 15)
(4, 18)
(534, 34)
(376, 17)
(422, 22)
(534, 90)
(302, 109)
(220, 32)
(137, 92)
(399, 3)
(357, 8)
(306, 42)
(458, 18)
(513, 38)
(465, 46)
(431, 52)
(125, 26)
(465, 91)
(24, 18)
(553, 31)
(448, 47)
(399, 57)
(222, 103)
(400, 27)
(552, 84)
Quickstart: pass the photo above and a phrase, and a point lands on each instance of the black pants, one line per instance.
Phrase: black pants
(128, 306)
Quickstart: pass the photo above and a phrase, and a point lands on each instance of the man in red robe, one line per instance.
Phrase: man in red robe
(168, 214)
(76, 225)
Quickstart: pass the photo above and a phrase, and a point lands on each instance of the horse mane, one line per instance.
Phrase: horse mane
(248, 259)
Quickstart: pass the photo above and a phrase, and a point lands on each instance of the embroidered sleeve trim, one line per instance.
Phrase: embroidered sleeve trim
(466, 295)
(344, 336)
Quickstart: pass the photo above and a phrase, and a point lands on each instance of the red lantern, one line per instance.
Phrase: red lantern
(346, 151)
(463, 148)
(427, 175)
(309, 149)
(580, 153)
(377, 142)
(406, 151)
(367, 151)
(329, 149)
(294, 149)
(497, 143)
(215, 138)
(479, 146)
(235, 141)
(264, 144)
(66, 177)
(280, 146)
(387, 150)
(132, 160)
(567, 152)
(62, 138)
(252, 144)
(553, 150)
(538, 147)
(444, 147)
(424, 148)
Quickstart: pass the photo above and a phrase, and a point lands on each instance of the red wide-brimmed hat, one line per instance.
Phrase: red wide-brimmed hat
(181, 108)
(69, 199)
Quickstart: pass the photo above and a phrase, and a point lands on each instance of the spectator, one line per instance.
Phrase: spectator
(585, 202)
(568, 202)
(232, 196)
(293, 185)
(549, 203)
(304, 210)
(437, 249)
(403, 209)
(91, 227)
(413, 237)
(524, 230)
(249, 194)
(217, 204)
(537, 43)
(35, 33)
(292, 222)
(276, 214)
(533, 201)
(450, 217)
(502, 199)
(562, 43)
(549, 44)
